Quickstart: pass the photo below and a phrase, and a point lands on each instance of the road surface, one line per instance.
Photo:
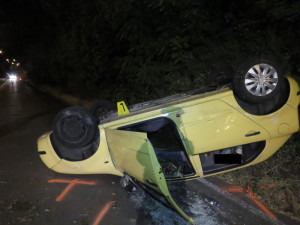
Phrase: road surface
(32, 194)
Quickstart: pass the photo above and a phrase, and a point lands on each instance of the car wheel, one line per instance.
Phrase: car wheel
(220, 77)
(101, 108)
(74, 126)
(258, 80)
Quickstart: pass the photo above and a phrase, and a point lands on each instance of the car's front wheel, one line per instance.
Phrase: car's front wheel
(74, 127)
(258, 80)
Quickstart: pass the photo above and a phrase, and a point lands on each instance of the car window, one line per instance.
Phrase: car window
(247, 153)
(164, 139)
(167, 144)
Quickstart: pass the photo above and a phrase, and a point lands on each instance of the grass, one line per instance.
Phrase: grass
(282, 170)
(69, 99)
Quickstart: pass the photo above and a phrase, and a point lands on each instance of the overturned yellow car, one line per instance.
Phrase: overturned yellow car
(181, 137)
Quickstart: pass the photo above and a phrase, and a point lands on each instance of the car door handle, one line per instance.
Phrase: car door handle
(250, 134)
(148, 181)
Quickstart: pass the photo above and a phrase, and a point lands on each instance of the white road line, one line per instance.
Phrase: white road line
(239, 202)
(4, 84)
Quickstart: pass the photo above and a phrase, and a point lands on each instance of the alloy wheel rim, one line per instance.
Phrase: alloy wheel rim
(261, 79)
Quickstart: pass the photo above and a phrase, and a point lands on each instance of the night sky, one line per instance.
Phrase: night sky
(20, 23)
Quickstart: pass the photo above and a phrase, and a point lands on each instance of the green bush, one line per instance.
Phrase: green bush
(140, 50)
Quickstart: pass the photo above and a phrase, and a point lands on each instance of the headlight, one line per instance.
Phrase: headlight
(12, 77)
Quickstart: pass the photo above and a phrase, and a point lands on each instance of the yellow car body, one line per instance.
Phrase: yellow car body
(206, 124)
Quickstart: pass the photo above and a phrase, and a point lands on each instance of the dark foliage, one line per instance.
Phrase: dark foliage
(144, 49)
(140, 50)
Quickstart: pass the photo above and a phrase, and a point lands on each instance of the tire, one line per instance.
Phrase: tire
(74, 153)
(258, 80)
(101, 108)
(220, 77)
(74, 127)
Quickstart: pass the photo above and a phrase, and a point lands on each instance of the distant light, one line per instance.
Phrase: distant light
(1, 52)
(7, 60)
(12, 77)
(18, 64)
(12, 63)
(20, 78)
(14, 60)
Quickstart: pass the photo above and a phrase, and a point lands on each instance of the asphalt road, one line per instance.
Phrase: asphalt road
(32, 194)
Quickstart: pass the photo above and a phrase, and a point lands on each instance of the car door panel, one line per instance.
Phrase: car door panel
(214, 125)
(133, 153)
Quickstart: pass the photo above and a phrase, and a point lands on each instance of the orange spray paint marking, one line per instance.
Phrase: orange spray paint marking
(235, 189)
(70, 186)
(251, 195)
(103, 212)
(70, 181)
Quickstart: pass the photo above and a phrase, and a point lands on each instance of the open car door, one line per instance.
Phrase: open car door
(133, 154)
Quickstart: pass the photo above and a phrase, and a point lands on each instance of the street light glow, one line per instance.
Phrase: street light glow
(1, 52)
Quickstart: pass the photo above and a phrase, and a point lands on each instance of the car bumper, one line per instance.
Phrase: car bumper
(99, 163)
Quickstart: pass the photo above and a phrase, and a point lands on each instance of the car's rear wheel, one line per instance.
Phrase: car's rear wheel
(102, 108)
(258, 80)
(74, 127)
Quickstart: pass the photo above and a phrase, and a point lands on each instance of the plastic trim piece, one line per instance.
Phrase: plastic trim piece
(252, 134)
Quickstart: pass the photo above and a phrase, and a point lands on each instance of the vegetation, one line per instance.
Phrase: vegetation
(133, 50)
(140, 50)
(281, 170)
